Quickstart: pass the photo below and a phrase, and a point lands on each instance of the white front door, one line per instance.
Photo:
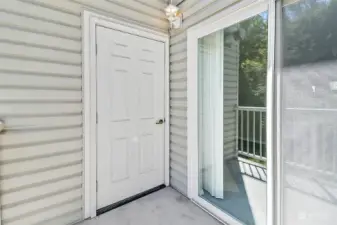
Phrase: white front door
(130, 102)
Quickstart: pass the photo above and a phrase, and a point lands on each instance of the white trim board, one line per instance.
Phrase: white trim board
(90, 22)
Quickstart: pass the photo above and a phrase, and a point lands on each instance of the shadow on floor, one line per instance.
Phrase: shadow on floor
(241, 186)
(252, 169)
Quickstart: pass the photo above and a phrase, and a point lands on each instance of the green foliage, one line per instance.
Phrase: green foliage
(253, 61)
(309, 35)
(310, 32)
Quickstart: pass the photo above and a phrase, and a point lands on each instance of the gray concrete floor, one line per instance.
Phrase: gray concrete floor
(245, 192)
(165, 207)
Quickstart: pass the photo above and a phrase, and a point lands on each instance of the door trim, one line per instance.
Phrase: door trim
(90, 21)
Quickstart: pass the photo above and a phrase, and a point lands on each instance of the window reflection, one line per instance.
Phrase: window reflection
(309, 112)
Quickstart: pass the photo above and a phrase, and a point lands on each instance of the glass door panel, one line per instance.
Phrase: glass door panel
(308, 63)
(232, 68)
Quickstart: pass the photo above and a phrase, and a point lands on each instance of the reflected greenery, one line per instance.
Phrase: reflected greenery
(311, 36)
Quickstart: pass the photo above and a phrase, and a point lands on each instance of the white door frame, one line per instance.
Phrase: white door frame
(90, 22)
(238, 12)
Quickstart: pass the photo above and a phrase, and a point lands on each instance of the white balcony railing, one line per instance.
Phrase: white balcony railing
(309, 137)
(251, 132)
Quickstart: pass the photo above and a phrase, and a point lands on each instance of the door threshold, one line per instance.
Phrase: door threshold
(128, 200)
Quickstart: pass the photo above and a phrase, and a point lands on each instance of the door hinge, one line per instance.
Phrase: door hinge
(96, 118)
(96, 48)
(96, 186)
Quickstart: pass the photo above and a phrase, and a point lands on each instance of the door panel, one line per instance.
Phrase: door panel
(119, 159)
(146, 152)
(130, 99)
(231, 78)
(307, 111)
(146, 98)
(119, 103)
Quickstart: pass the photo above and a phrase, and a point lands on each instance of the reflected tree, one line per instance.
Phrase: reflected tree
(311, 32)
(311, 36)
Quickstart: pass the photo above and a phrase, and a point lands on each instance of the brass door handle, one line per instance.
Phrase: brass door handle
(160, 121)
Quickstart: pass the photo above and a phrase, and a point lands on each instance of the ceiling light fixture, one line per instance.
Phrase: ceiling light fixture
(174, 16)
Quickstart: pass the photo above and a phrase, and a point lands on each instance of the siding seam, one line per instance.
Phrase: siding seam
(148, 14)
(33, 185)
(50, 7)
(41, 19)
(4, 177)
(44, 88)
(29, 200)
(51, 206)
(39, 73)
(62, 153)
(35, 59)
(40, 46)
(51, 34)
(78, 210)
(77, 137)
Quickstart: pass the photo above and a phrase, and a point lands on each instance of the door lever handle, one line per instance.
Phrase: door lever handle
(160, 121)
(2, 126)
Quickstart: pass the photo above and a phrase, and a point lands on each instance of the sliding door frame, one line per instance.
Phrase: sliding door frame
(231, 15)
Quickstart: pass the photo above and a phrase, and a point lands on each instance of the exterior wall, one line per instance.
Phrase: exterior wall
(231, 88)
(194, 12)
(41, 152)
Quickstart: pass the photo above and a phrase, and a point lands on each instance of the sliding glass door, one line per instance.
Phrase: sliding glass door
(307, 62)
(231, 116)
(262, 99)
(227, 116)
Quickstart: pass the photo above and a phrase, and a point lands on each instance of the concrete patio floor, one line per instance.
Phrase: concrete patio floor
(165, 207)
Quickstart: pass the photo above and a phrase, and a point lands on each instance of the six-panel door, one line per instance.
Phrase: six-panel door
(130, 99)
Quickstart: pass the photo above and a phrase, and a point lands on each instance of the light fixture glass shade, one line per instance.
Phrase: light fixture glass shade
(174, 16)
(171, 10)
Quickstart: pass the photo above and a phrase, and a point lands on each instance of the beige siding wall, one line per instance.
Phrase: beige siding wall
(230, 98)
(194, 12)
(41, 152)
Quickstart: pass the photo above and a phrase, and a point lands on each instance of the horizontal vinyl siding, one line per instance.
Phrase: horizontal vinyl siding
(41, 152)
(230, 100)
(194, 12)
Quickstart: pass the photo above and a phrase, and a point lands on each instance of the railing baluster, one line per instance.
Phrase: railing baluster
(246, 134)
(254, 133)
(333, 152)
(261, 135)
(237, 129)
(247, 140)
(241, 138)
